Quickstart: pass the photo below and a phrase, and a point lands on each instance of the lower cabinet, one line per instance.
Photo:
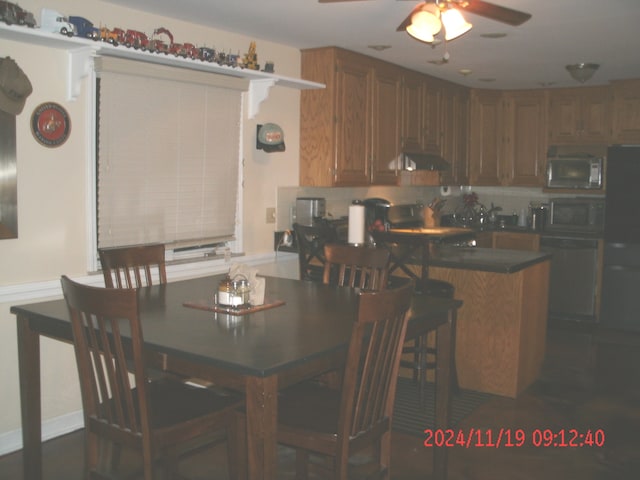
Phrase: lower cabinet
(517, 241)
(509, 240)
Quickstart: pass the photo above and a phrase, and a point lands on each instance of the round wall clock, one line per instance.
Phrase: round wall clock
(50, 124)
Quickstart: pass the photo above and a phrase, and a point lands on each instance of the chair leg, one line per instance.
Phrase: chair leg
(240, 448)
(233, 447)
(417, 358)
(302, 464)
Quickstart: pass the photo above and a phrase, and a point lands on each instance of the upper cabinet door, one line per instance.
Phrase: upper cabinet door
(486, 134)
(579, 115)
(626, 111)
(412, 112)
(525, 147)
(455, 125)
(353, 122)
(432, 134)
(386, 124)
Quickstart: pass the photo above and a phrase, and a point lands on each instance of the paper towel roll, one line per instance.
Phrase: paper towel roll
(356, 224)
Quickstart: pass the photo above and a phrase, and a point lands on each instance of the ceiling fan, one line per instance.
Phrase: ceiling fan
(478, 7)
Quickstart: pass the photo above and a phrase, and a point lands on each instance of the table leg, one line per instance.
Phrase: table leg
(262, 423)
(29, 368)
(445, 348)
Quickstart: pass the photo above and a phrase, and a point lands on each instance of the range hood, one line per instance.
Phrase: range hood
(423, 161)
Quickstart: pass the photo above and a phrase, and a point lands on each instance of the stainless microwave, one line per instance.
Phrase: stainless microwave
(574, 172)
(580, 215)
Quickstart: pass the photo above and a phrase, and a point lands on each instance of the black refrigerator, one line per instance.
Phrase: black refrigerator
(620, 307)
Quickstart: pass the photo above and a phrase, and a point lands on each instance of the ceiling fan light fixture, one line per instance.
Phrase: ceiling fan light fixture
(582, 71)
(454, 24)
(425, 23)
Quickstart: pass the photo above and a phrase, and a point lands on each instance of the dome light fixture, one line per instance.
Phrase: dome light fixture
(425, 23)
(582, 71)
(430, 18)
(454, 24)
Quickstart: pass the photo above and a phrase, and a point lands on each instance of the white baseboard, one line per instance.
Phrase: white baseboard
(54, 427)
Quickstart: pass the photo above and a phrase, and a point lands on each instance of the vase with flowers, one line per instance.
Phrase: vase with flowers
(470, 209)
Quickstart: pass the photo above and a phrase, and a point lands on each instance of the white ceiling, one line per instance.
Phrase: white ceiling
(532, 55)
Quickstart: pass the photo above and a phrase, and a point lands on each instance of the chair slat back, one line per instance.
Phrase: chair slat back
(361, 267)
(106, 332)
(311, 241)
(133, 266)
(373, 358)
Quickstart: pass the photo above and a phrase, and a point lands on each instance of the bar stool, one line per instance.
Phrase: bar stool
(425, 357)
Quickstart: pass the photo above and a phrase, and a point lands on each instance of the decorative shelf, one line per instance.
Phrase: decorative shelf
(81, 52)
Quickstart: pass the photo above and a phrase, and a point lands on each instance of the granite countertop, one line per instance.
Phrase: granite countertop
(485, 259)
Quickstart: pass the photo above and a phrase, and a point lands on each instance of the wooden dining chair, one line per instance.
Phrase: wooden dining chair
(338, 423)
(311, 241)
(158, 419)
(136, 266)
(133, 266)
(358, 267)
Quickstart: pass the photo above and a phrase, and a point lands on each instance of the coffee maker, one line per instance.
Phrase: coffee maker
(376, 209)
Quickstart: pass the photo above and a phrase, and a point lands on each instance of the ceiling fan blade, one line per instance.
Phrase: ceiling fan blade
(494, 12)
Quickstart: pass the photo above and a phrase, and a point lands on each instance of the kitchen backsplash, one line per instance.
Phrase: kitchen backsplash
(511, 199)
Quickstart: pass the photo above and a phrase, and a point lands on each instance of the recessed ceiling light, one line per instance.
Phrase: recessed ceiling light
(379, 48)
(493, 35)
(465, 71)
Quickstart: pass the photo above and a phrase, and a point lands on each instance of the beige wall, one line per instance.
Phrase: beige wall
(53, 198)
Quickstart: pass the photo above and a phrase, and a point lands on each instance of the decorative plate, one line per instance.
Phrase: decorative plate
(50, 124)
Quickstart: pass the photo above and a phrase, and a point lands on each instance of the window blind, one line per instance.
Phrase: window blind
(168, 155)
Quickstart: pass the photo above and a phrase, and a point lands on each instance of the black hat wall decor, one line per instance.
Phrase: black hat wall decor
(15, 87)
(270, 138)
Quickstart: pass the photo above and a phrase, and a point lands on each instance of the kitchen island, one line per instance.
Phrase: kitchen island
(502, 325)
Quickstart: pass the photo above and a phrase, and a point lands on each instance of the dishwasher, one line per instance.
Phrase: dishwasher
(573, 277)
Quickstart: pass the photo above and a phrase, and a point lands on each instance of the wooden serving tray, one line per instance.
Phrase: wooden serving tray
(211, 307)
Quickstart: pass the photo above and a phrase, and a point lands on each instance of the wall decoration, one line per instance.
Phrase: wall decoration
(270, 138)
(15, 86)
(50, 124)
(8, 177)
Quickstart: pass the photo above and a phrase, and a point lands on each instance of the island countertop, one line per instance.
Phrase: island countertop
(484, 259)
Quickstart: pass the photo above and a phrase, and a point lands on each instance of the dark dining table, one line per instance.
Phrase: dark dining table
(258, 353)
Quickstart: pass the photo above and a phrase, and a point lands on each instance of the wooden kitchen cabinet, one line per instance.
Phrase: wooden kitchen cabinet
(422, 127)
(353, 121)
(525, 146)
(433, 132)
(516, 241)
(412, 117)
(386, 123)
(507, 138)
(455, 121)
(349, 131)
(484, 239)
(626, 111)
(527, 241)
(435, 119)
(486, 138)
(580, 115)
